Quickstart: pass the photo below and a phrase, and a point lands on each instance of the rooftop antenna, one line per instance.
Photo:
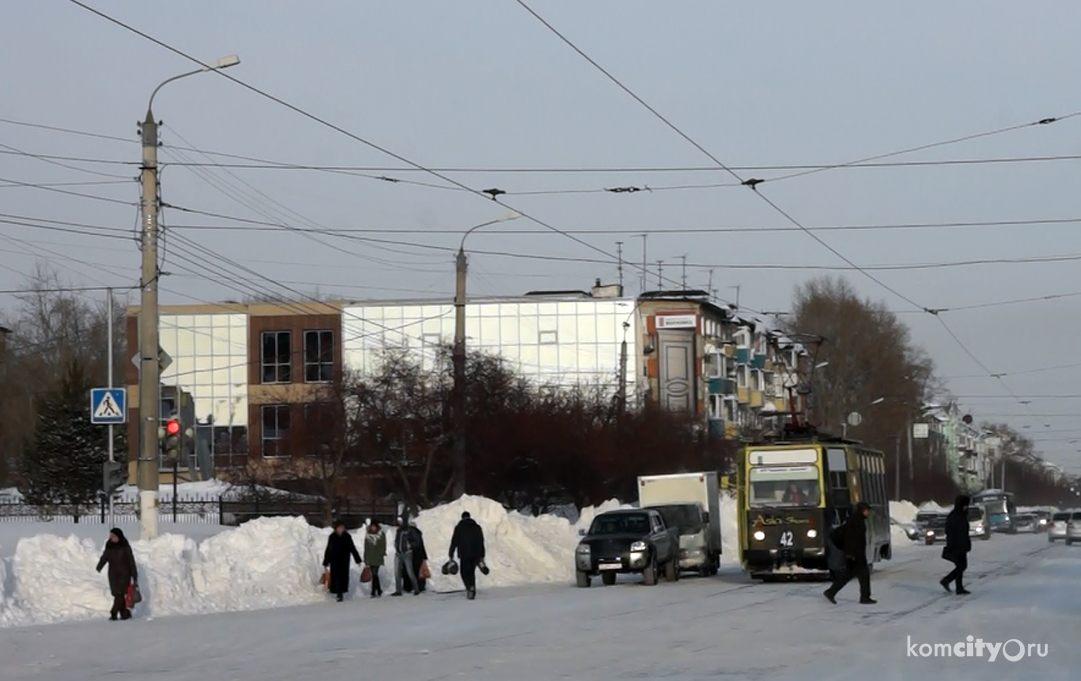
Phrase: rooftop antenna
(645, 267)
(660, 275)
(684, 259)
(619, 255)
(737, 294)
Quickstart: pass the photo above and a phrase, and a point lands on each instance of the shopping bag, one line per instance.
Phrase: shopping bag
(366, 575)
(132, 597)
(425, 573)
(324, 579)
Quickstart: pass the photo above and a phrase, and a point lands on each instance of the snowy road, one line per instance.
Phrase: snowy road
(725, 627)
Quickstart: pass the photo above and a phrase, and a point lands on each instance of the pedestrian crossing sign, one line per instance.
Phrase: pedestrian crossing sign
(108, 406)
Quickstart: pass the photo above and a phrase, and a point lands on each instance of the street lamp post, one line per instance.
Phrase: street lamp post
(149, 369)
(461, 265)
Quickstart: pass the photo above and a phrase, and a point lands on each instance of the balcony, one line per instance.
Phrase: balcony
(757, 399)
(721, 386)
(743, 355)
(743, 395)
(758, 362)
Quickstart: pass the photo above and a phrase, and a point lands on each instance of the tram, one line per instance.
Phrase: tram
(793, 491)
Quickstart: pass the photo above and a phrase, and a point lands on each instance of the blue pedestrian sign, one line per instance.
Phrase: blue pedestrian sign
(108, 406)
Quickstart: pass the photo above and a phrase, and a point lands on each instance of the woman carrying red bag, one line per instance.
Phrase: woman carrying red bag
(123, 575)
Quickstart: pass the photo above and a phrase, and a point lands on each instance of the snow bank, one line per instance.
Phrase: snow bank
(10, 495)
(903, 512)
(729, 530)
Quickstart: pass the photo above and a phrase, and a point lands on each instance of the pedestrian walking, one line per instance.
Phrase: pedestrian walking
(852, 540)
(407, 542)
(123, 575)
(375, 555)
(468, 541)
(958, 545)
(340, 548)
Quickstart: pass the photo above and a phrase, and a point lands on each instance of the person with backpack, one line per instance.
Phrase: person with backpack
(375, 555)
(851, 539)
(122, 573)
(340, 548)
(958, 545)
(468, 541)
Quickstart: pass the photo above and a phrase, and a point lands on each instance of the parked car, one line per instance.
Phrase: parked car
(936, 529)
(1026, 522)
(910, 530)
(631, 541)
(979, 524)
(1056, 529)
(1073, 528)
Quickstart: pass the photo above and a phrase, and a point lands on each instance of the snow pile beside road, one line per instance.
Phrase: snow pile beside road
(729, 530)
(521, 549)
(269, 562)
(903, 512)
(10, 495)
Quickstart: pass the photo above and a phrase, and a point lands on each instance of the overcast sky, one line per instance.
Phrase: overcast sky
(477, 84)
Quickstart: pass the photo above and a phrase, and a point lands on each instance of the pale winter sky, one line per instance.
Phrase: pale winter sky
(478, 84)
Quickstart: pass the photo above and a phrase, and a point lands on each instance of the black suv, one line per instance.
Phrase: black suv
(628, 542)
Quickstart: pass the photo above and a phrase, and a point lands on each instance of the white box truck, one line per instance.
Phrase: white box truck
(691, 502)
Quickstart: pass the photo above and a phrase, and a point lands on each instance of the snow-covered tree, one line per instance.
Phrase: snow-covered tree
(63, 463)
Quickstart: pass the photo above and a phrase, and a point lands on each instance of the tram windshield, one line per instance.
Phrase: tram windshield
(784, 486)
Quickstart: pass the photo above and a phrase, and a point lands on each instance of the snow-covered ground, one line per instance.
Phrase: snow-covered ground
(702, 628)
(48, 574)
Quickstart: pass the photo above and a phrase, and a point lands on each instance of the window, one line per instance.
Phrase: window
(548, 338)
(277, 357)
(744, 376)
(275, 428)
(756, 380)
(318, 356)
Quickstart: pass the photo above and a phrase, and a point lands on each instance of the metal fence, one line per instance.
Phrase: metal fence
(208, 510)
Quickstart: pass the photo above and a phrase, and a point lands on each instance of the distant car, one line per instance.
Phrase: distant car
(632, 541)
(936, 529)
(1043, 520)
(1056, 529)
(979, 524)
(1073, 528)
(911, 531)
(1026, 522)
(923, 518)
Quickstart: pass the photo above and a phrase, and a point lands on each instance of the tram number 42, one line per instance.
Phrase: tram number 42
(786, 539)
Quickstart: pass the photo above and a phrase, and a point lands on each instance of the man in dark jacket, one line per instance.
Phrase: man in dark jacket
(958, 544)
(468, 541)
(407, 543)
(853, 538)
(340, 547)
(122, 572)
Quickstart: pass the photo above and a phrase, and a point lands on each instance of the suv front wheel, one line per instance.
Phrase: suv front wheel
(649, 575)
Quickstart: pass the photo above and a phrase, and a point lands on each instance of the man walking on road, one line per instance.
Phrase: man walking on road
(468, 540)
(853, 542)
(406, 542)
(958, 544)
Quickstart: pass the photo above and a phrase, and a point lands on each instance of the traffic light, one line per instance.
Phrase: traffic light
(171, 444)
(114, 475)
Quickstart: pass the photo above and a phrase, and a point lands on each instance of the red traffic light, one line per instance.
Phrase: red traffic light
(172, 427)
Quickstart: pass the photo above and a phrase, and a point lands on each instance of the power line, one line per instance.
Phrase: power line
(339, 129)
(69, 131)
(32, 185)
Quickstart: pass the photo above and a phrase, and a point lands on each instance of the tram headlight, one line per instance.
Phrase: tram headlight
(812, 533)
(759, 535)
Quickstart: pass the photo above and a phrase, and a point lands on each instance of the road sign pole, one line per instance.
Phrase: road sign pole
(109, 383)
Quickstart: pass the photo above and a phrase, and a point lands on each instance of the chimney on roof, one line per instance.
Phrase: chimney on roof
(607, 290)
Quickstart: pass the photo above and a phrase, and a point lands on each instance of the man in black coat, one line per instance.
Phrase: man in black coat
(958, 544)
(340, 547)
(408, 548)
(853, 540)
(468, 541)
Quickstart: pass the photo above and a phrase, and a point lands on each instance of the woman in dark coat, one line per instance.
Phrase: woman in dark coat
(420, 556)
(122, 572)
(340, 547)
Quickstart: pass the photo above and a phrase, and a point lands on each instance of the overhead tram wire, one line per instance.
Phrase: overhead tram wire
(7, 148)
(343, 131)
(753, 183)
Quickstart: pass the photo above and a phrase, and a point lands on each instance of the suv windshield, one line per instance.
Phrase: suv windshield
(937, 521)
(975, 514)
(621, 523)
(1061, 517)
(686, 517)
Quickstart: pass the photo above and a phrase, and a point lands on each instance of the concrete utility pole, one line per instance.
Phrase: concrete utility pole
(458, 395)
(109, 383)
(149, 369)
